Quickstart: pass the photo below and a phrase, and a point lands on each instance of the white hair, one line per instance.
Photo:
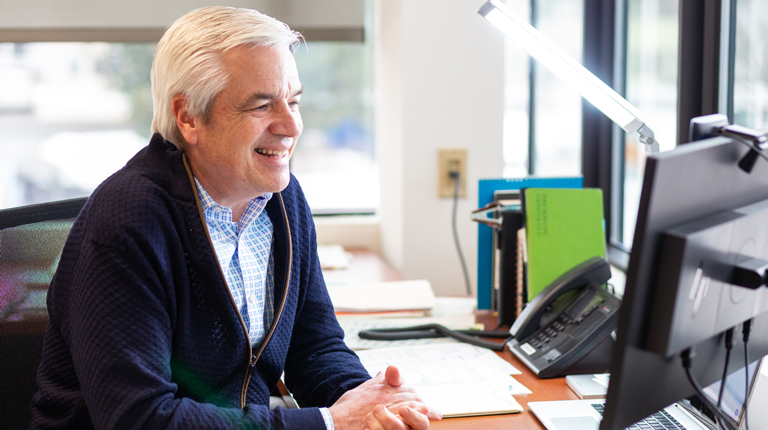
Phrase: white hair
(188, 59)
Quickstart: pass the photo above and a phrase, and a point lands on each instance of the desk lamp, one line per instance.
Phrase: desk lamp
(603, 97)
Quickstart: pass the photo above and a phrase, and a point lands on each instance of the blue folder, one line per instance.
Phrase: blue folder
(487, 187)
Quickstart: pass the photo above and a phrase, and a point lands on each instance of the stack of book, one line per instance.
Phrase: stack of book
(543, 228)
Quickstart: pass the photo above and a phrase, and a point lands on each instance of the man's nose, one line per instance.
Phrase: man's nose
(287, 122)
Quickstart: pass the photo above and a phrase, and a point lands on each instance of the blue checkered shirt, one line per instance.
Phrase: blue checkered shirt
(244, 250)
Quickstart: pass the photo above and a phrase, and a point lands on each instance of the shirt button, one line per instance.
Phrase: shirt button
(252, 299)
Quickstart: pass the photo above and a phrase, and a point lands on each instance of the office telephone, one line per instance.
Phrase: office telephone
(571, 335)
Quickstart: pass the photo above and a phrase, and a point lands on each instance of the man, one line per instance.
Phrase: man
(190, 281)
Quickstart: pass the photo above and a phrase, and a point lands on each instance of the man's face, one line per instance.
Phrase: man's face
(243, 149)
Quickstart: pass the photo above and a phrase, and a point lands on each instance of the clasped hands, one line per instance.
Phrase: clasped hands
(382, 403)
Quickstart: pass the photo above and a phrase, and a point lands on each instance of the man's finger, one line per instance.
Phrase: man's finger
(371, 423)
(392, 376)
(380, 377)
(387, 419)
(431, 413)
(414, 419)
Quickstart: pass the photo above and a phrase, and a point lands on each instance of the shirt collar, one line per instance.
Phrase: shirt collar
(210, 206)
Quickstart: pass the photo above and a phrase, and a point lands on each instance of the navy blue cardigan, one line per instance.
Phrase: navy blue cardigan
(143, 332)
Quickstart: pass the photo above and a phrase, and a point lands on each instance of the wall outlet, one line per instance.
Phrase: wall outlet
(449, 160)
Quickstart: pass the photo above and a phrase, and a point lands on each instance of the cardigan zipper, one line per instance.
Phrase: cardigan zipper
(253, 358)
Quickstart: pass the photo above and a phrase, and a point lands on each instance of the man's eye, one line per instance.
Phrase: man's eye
(261, 107)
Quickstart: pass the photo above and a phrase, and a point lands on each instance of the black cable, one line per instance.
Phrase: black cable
(745, 329)
(428, 331)
(728, 347)
(720, 417)
(455, 175)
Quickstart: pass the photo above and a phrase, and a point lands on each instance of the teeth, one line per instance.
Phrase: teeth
(272, 153)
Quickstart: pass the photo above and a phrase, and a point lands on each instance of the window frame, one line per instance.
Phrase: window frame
(705, 86)
(605, 39)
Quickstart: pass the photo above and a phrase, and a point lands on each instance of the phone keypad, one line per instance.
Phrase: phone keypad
(564, 333)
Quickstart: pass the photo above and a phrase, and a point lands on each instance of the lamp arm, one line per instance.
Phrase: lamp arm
(649, 139)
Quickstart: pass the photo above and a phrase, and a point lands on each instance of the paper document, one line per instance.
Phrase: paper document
(457, 379)
(333, 256)
(382, 296)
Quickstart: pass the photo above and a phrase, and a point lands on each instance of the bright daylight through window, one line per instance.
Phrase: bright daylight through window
(652, 49)
(555, 106)
(71, 114)
(750, 93)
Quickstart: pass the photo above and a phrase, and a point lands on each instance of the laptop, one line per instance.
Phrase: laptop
(587, 414)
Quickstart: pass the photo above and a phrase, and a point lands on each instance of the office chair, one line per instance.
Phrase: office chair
(31, 240)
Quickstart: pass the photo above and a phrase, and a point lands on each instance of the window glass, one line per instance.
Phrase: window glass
(335, 158)
(557, 107)
(71, 114)
(516, 94)
(652, 47)
(750, 92)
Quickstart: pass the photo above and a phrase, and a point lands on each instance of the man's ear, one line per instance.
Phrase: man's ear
(188, 125)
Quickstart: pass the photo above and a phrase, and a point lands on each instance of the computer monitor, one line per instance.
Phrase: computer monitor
(696, 181)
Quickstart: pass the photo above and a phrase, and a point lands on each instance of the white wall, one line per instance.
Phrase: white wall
(440, 85)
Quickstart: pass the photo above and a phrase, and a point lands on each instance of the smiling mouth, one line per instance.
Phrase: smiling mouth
(271, 153)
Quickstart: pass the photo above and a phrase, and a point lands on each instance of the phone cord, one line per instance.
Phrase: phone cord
(429, 331)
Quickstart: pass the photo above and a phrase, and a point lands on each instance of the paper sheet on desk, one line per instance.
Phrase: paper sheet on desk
(333, 256)
(382, 296)
(458, 379)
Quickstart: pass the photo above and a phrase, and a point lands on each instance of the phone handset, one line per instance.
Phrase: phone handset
(593, 271)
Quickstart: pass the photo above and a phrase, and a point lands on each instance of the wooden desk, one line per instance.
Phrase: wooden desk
(543, 389)
(368, 267)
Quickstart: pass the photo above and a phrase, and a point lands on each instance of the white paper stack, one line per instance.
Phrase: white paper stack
(391, 296)
(457, 379)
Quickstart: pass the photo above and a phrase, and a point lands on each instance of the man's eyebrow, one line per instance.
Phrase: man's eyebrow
(253, 98)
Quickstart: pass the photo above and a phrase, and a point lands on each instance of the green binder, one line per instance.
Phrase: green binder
(563, 228)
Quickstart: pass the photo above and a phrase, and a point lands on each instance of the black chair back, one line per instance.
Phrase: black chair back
(31, 240)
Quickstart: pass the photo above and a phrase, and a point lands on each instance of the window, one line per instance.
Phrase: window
(71, 114)
(516, 101)
(557, 106)
(335, 158)
(542, 118)
(750, 87)
(651, 86)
